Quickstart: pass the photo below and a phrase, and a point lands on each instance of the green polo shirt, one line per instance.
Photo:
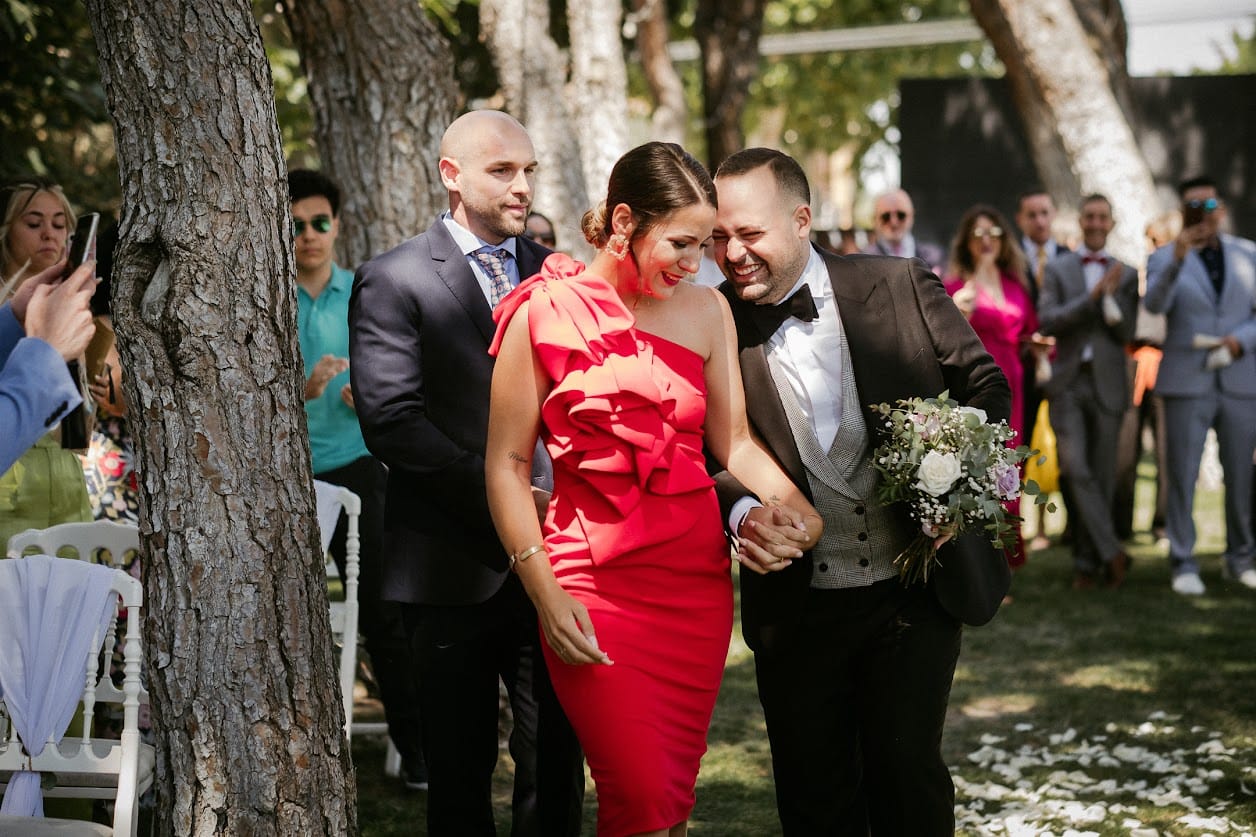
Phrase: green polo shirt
(323, 329)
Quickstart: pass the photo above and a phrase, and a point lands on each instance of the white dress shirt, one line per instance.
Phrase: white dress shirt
(809, 354)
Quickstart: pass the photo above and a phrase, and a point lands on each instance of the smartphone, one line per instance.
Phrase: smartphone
(83, 244)
(1192, 215)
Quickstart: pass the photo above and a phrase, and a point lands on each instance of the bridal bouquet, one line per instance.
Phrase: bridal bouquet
(954, 471)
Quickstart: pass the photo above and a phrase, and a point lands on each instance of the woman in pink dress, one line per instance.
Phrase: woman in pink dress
(627, 371)
(987, 280)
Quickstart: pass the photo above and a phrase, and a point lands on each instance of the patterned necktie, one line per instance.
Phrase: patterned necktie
(493, 260)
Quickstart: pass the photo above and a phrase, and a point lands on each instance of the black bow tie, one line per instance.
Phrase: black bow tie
(768, 318)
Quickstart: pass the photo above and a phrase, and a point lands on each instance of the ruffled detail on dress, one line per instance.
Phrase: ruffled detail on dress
(612, 417)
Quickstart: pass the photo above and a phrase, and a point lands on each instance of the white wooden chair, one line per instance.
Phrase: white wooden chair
(78, 766)
(331, 499)
(87, 542)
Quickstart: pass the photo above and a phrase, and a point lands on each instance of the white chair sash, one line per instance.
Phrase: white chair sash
(327, 501)
(53, 611)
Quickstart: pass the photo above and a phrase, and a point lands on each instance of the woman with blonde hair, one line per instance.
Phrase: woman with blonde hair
(46, 485)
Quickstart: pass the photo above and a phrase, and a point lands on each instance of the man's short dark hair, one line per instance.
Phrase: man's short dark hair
(789, 175)
(307, 183)
(1095, 197)
(1032, 192)
(1196, 182)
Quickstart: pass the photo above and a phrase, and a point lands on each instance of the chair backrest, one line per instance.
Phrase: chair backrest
(344, 615)
(85, 540)
(84, 766)
(100, 542)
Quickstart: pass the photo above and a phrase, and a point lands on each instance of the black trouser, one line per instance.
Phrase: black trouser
(855, 704)
(461, 652)
(380, 622)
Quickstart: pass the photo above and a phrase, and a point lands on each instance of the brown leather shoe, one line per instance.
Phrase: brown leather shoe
(1116, 570)
(1083, 581)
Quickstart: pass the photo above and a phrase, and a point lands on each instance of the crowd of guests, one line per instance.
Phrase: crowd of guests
(553, 458)
(1066, 323)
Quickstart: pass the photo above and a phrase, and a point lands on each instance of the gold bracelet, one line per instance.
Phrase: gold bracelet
(520, 557)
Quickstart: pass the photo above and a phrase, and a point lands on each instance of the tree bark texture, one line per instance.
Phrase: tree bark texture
(242, 675)
(670, 110)
(381, 83)
(598, 89)
(728, 33)
(532, 71)
(1081, 138)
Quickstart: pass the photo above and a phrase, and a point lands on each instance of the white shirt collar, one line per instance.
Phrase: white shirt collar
(469, 242)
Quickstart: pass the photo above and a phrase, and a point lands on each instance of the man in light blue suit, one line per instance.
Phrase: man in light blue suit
(46, 323)
(1205, 283)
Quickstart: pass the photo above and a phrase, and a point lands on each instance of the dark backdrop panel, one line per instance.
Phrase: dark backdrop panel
(962, 144)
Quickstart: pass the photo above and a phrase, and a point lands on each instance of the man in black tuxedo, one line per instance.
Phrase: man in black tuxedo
(854, 667)
(420, 325)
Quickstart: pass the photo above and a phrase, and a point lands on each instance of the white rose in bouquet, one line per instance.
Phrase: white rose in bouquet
(938, 472)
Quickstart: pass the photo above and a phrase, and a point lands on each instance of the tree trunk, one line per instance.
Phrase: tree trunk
(728, 34)
(381, 82)
(533, 75)
(670, 111)
(242, 676)
(598, 90)
(1081, 138)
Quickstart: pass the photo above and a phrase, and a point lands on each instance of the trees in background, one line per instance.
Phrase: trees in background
(1065, 63)
(381, 82)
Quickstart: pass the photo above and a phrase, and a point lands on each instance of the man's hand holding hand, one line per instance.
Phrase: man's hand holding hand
(770, 538)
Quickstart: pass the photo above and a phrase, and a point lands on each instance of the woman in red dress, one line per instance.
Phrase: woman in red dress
(627, 370)
(987, 280)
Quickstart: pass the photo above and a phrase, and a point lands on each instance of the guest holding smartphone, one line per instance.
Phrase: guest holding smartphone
(45, 486)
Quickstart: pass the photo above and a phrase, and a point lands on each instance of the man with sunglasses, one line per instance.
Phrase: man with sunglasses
(893, 216)
(1205, 283)
(339, 455)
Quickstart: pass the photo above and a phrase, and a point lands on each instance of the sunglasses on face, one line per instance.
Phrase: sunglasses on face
(1209, 205)
(899, 214)
(991, 232)
(320, 223)
(547, 239)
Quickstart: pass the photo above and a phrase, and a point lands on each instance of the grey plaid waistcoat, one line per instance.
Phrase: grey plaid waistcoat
(861, 537)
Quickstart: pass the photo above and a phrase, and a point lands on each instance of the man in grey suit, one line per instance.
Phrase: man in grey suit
(1088, 302)
(1205, 284)
(420, 319)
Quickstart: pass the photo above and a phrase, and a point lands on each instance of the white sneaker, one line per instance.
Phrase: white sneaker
(1189, 584)
(1247, 578)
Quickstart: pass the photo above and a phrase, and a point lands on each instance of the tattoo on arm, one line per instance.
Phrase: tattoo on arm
(775, 499)
(516, 456)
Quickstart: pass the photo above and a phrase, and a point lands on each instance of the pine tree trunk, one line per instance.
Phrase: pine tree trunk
(728, 34)
(1080, 136)
(670, 110)
(242, 676)
(532, 73)
(598, 90)
(381, 82)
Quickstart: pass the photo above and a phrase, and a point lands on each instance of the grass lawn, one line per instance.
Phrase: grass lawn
(1129, 712)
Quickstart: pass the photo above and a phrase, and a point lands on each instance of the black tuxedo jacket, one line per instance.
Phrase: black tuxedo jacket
(907, 339)
(419, 332)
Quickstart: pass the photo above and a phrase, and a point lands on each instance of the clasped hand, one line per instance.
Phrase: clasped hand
(769, 539)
